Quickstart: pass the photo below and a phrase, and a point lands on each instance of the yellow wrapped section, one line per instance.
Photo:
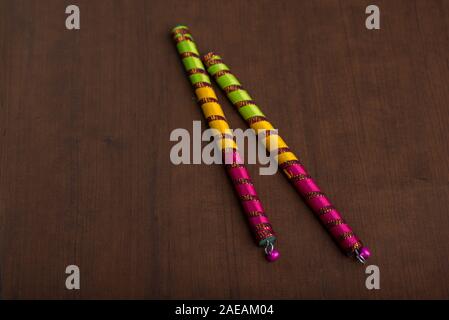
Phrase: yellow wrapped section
(263, 124)
(220, 125)
(277, 142)
(286, 156)
(205, 92)
(212, 109)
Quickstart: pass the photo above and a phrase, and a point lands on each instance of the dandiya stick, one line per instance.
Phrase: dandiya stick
(287, 161)
(207, 99)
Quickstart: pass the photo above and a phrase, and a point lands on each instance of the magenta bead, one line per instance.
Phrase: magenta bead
(273, 255)
(365, 253)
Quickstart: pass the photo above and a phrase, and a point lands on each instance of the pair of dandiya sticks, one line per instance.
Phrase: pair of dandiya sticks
(287, 161)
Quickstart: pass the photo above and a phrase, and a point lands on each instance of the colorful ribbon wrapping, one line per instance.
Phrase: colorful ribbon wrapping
(258, 221)
(287, 161)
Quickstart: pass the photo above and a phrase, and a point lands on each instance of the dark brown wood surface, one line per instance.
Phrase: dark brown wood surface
(86, 178)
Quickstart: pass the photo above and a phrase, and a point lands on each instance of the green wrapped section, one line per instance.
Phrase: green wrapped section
(199, 77)
(192, 63)
(217, 67)
(178, 35)
(227, 80)
(239, 95)
(187, 46)
(250, 111)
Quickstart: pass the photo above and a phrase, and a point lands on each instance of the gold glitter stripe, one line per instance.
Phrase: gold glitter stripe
(325, 210)
(356, 246)
(189, 54)
(197, 85)
(220, 73)
(232, 87)
(207, 100)
(314, 194)
(334, 223)
(195, 71)
(243, 103)
(182, 30)
(183, 38)
(255, 119)
(289, 163)
(256, 214)
(346, 235)
(249, 197)
(243, 181)
(234, 165)
(211, 62)
(215, 117)
(208, 56)
(264, 234)
(263, 226)
(300, 177)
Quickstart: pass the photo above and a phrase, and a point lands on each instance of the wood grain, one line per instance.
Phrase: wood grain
(85, 174)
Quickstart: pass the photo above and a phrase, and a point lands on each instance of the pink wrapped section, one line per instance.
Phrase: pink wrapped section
(257, 220)
(322, 207)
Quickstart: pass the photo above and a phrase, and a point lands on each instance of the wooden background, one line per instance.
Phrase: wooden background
(85, 174)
